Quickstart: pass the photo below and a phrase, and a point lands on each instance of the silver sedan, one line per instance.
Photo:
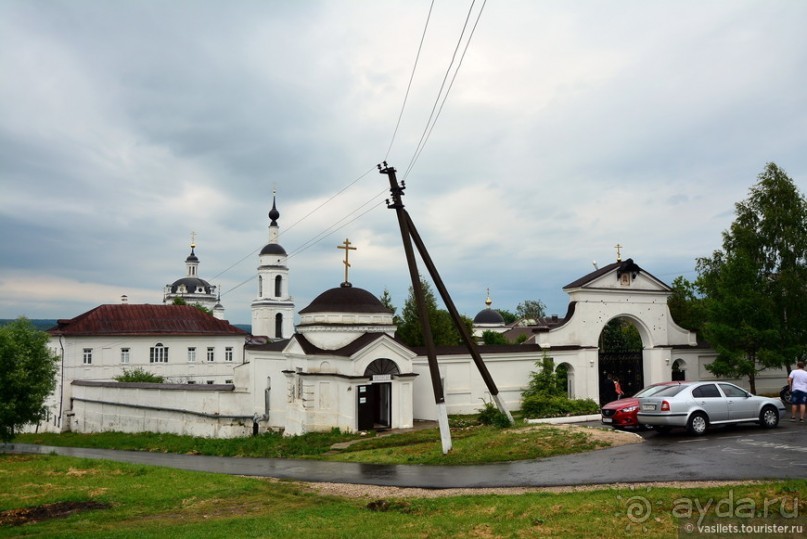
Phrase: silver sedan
(696, 405)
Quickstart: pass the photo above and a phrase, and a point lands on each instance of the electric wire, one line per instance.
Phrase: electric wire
(426, 129)
(433, 117)
(450, 85)
(321, 236)
(411, 78)
(299, 221)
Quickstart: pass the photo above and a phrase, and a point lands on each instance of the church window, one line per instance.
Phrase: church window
(191, 354)
(228, 381)
(158, 353)
(260, 286)
(210, 382)
(211, 355)
(228, 353)
(278, 286)
(279, 326)
(88, 356)
(124, 355)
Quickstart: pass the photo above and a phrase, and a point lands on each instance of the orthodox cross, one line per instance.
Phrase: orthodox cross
(618, 253)
(193, 240)
(347, 248)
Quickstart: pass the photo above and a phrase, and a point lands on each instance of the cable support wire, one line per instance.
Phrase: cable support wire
(435, 112)
(322, 235)
(411, 78)
(252, 253)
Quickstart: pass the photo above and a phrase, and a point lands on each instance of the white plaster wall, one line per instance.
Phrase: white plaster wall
(219, 413)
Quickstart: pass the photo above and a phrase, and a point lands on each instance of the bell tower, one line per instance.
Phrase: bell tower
(273, 308)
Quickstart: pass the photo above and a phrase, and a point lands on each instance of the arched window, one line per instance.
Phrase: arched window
(278, 286)
(158, 353)
(260, 286)
(279, 326)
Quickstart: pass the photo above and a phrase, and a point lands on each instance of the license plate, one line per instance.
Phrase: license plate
(607, 420)
(648, 406)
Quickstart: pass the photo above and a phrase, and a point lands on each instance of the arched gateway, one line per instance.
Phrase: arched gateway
(621, 290)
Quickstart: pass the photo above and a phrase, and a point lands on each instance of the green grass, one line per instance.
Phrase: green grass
(270, 445)
(147, 501)
(472, 444)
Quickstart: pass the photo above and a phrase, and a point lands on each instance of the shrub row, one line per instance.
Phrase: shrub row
(538, 406)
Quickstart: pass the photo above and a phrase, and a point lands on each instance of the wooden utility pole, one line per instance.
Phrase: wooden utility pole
(409, 234)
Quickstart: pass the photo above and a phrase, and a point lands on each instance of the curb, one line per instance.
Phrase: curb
(571, 419)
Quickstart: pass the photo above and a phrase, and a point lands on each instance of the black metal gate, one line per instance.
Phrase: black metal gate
(627, 366)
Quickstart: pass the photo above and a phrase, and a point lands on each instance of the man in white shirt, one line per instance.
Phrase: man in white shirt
(798, 391)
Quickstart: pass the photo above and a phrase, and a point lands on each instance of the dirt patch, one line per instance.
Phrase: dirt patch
(611, 436)
(380, 494)
(31, 515)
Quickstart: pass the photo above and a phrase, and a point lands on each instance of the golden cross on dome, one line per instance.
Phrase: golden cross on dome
(347, 248)
(193, 240)
(618, 247)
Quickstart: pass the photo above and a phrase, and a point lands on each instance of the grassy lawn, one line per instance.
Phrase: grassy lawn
(144, 501)
(472, 444)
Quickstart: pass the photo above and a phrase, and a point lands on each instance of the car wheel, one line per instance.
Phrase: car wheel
(769, 417)
(784, 395)
(697, 423)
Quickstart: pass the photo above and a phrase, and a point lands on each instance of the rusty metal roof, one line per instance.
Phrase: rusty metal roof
(134, 319)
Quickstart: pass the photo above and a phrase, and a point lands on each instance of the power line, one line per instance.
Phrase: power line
(411, 78)
(432, 117)
(450, 85)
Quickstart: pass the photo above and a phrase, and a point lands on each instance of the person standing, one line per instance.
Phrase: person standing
(797, 381)
(618, 388)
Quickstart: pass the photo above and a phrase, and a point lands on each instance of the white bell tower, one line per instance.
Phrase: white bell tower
(273, 309)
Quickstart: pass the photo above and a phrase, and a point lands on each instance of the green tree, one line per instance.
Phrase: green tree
(686, 304)
(442, 326)
(493, 337)
(531, 309)
(508, 316)
(755, 296)
(620, 335)
(27, 376)
(139, 374)
(386, 300)
(545, 382)
(181, 301)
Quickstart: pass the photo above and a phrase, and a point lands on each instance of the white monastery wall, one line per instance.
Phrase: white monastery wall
(207, 411)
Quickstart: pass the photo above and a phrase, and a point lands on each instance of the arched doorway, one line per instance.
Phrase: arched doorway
(374, 400)
(620, 358)
(565, 374)
(679, 368)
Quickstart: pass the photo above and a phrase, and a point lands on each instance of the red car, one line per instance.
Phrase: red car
(621, 413)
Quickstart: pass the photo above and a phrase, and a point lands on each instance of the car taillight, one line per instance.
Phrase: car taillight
(665, 406)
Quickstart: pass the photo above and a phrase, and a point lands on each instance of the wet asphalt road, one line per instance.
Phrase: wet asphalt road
(736, 453)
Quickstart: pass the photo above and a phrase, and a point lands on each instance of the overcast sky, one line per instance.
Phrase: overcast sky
(571, 126)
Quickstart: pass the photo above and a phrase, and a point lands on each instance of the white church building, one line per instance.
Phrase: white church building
(341, 365)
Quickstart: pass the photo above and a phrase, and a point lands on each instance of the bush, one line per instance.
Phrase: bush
(139, 375)
(538, 406)
(490, 415)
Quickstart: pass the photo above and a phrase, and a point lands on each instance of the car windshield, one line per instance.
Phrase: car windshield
(651, 390)
(669, 391)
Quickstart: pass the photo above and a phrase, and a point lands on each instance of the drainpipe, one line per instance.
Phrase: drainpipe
(61, 384)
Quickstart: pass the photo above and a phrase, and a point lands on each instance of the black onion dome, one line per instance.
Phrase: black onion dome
(273, 213)
(273, 249)
(192, 257)
(191, 284)
(488, 316)
(346, 299)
